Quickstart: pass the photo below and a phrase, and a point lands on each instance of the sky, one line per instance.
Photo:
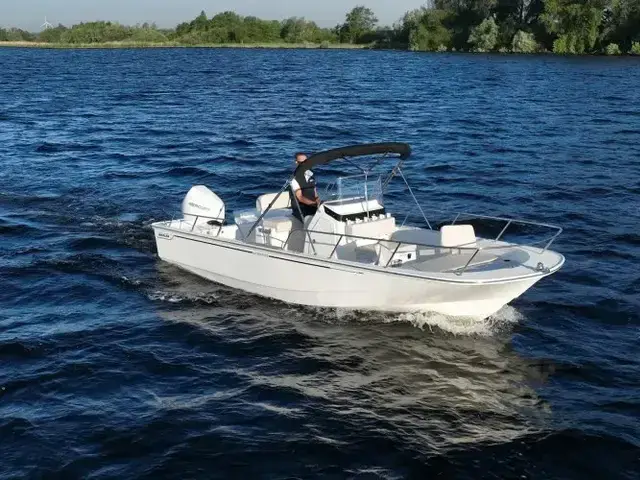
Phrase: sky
(30, 14)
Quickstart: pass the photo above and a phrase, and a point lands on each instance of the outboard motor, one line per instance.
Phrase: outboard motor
(203, 207)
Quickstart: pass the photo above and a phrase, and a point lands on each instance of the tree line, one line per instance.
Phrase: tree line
(526, 26)
(520, 26)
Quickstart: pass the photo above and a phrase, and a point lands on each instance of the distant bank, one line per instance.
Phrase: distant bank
(254, 46)
(332, 46)
(558, 26)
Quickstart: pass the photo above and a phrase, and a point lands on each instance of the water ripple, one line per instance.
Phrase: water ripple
(116, 365)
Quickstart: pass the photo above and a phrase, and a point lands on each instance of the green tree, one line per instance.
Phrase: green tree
(96, 32)
(360, 21)
(576, 25)
(408, 24)
(479, 9)
(519, 13)
(296, 30)
(15, 35)
(621, 23)
(484, 37)
(429, 33)
(612, 49)
(257, 30)
(147, 35)
(229, 27)
(299, 30)
(52, 35)
(229, 22)
(200, 23)
(465, 14)
(182, 29)
(507, 29)
(524, 42)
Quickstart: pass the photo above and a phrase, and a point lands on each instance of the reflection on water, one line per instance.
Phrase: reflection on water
(439, 389)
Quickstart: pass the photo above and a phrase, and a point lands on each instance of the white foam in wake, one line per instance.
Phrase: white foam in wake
(461, 326)
(506, 317)
(159, 296)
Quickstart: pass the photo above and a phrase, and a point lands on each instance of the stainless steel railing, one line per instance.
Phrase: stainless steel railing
(509, 222)
(397, 243)
(475, 250)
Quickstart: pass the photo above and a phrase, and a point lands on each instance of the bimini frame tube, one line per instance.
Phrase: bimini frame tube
(414, 197)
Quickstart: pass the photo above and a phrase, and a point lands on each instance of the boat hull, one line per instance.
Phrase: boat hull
(304, 280)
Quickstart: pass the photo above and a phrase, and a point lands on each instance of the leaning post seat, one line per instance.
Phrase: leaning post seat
(280, 223)
(263, 201)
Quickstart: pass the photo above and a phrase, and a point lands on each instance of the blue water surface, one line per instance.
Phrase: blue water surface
(115, 365)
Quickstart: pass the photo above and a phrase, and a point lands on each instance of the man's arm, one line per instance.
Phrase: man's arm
(305, 200)
(295, 186)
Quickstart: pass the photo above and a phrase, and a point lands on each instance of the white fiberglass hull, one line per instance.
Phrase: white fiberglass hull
(301, 279)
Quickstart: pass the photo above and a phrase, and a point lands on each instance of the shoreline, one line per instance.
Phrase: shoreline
(268, 46)
(116, 45)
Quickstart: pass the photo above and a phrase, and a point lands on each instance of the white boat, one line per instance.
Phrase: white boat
(354, 253)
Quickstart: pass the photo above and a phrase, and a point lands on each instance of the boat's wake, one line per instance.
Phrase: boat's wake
(461, 326)
(426, 321)
(176, 297)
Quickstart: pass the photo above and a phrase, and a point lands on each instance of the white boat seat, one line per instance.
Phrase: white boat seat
(388, 251)
(347, 251)
(351, 251)
(281, 221)
(419, 236)
(263, 201)
(451, 263)
(278, 224)
(452, 236)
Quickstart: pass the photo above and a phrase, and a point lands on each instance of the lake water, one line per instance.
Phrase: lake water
(115, 365)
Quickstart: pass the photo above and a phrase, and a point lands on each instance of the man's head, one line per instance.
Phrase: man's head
(300, 157)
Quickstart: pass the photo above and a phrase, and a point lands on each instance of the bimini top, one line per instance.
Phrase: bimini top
(403, 151)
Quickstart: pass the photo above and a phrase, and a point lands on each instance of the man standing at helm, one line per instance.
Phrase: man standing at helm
(303, 189)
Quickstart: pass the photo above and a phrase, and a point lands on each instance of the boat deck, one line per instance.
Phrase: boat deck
(407, 250)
